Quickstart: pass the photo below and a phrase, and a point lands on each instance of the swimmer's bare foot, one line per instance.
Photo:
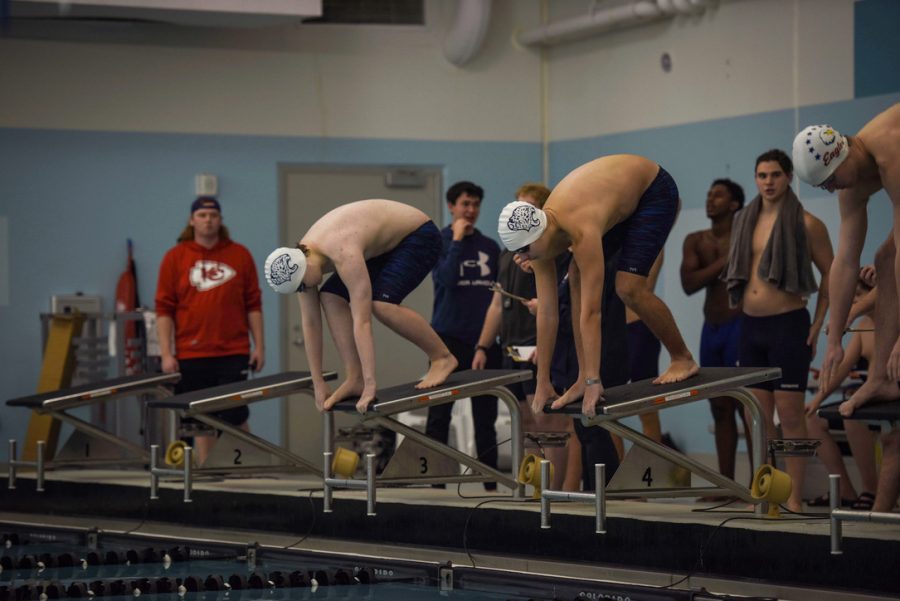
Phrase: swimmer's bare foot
(348, 388)
(679, 370)
(365, 399)
(794, 505)
(438, 372)
(882, 390)
(574, 392)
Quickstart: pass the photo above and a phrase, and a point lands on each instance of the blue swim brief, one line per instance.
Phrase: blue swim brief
(644, 233)
(397, 272)
(720, 344)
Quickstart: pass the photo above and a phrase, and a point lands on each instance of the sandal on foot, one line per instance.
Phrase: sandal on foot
(864, 502)
(824, 501)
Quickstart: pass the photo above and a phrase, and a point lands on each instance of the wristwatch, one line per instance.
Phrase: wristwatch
(591, 381)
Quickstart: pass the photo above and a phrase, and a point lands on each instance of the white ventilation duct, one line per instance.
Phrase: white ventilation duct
(610, 19)
(464, 40)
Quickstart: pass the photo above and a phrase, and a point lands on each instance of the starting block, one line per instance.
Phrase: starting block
(887, 416)
(88, 445)
(660, 471)
(236, 451)
(423, 460)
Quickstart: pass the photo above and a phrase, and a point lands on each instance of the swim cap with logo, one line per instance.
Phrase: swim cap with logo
(818, 151)
(520, 224)
(284, 269)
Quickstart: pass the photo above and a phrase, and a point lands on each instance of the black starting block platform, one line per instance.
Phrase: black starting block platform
(885, 414)
(423, 460)
(89, 444)
(236, 451)
(878, 412)
(650, 469)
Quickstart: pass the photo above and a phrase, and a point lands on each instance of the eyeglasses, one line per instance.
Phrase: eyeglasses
(522, 250)
(828, 183)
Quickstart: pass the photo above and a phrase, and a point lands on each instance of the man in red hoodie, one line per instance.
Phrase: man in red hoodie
(207, 301)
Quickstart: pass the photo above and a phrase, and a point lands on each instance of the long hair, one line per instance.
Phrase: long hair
(187, 234)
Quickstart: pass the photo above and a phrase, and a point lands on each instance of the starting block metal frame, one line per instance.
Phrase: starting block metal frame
(403, 398)
(200, 404)
(643, 397)
(58, 403)
(885, 415)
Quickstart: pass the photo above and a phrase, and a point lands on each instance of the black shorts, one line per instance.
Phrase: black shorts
(644, 233)
(397, 273)
(778, 341)
(207, 372)
(643, 352)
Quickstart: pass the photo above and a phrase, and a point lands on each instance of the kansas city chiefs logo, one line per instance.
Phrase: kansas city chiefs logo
(206, 275)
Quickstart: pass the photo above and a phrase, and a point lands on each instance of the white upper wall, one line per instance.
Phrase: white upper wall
(739, 57)
(314, 80)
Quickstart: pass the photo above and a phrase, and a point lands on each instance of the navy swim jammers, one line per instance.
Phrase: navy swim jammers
(644, 233)
(397, 272)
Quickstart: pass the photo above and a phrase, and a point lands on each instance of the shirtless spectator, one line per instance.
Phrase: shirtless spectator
(704, 261)
(774, 243)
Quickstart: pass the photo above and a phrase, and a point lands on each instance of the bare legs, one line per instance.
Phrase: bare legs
(340, 324)
(862, 446)
(402, 320)
(793, 425)
(655, 314)
(651, 428)
(726, 433)
(830, 454)
(877, 385)
(204, 443)
(412, 326)
(889, 481)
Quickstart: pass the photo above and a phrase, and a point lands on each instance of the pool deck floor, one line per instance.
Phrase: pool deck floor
(656, 543)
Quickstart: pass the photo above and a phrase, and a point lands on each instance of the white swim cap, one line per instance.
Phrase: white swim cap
(284, 269)
(818, 151)
(520, 224)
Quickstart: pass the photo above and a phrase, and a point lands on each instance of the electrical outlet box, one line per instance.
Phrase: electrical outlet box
(206, 184)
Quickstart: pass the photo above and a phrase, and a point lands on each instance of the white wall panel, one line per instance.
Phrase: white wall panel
(736, 58)
(335, 81)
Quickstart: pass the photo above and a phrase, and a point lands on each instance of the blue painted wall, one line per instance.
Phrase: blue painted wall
(696, 154)
(876, 46)
(72, 198)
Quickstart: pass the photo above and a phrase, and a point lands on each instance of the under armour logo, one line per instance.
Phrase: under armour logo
(481, 263)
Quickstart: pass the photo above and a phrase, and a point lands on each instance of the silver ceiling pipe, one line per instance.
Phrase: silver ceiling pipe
(610, 19)
(465, 38)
